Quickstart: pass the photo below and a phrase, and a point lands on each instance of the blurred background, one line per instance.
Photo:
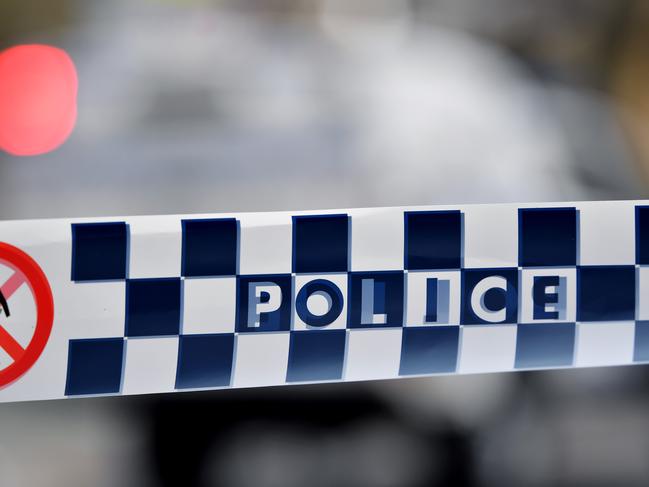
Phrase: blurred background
(207, 106)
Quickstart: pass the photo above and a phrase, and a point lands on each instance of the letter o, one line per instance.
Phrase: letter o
(321, 286)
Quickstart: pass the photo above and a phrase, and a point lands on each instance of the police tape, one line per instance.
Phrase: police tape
(149, 304)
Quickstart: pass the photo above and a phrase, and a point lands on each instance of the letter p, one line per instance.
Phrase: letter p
(263, 298)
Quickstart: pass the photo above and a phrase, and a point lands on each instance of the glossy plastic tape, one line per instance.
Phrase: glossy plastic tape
(149, 304)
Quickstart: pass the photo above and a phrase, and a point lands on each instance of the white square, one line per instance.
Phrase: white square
(317, 303)
(607, 233)
(567, 291)
(377, 239)
(490, 236)
(102, 314)
(155, 245)
(150, 365)
(261, 359)
(373, 354)
(642, 293)
(448, 297)
(487, 348)
(209, 305)
(604, 343)
(266, 242)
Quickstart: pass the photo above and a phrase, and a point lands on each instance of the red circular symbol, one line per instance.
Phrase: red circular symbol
(25, 272)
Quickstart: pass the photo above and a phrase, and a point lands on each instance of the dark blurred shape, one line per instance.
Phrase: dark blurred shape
(309, 435)
(629, 79)
(22, 20)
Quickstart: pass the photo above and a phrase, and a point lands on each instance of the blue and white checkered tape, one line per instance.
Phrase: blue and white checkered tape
(153, 304)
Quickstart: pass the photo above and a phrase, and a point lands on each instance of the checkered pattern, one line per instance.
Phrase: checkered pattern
(513, 288)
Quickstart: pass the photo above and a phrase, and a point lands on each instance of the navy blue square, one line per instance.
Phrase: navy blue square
(205, 360)
(495, 290)
(605, 293)
(210, 247)
(372, 294)
(99, 251)
(547, 237)
(545, 345)
(642, 235)
(264, 303)
(429, 350)
(94, 366)
(641, 343)
(316, 355)
(433, 240)
(152, 307)
(320, 243)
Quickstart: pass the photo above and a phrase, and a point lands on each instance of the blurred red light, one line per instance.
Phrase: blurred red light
(38, 99)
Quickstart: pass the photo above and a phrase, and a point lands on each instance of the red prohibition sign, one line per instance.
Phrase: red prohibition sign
(26, 272)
